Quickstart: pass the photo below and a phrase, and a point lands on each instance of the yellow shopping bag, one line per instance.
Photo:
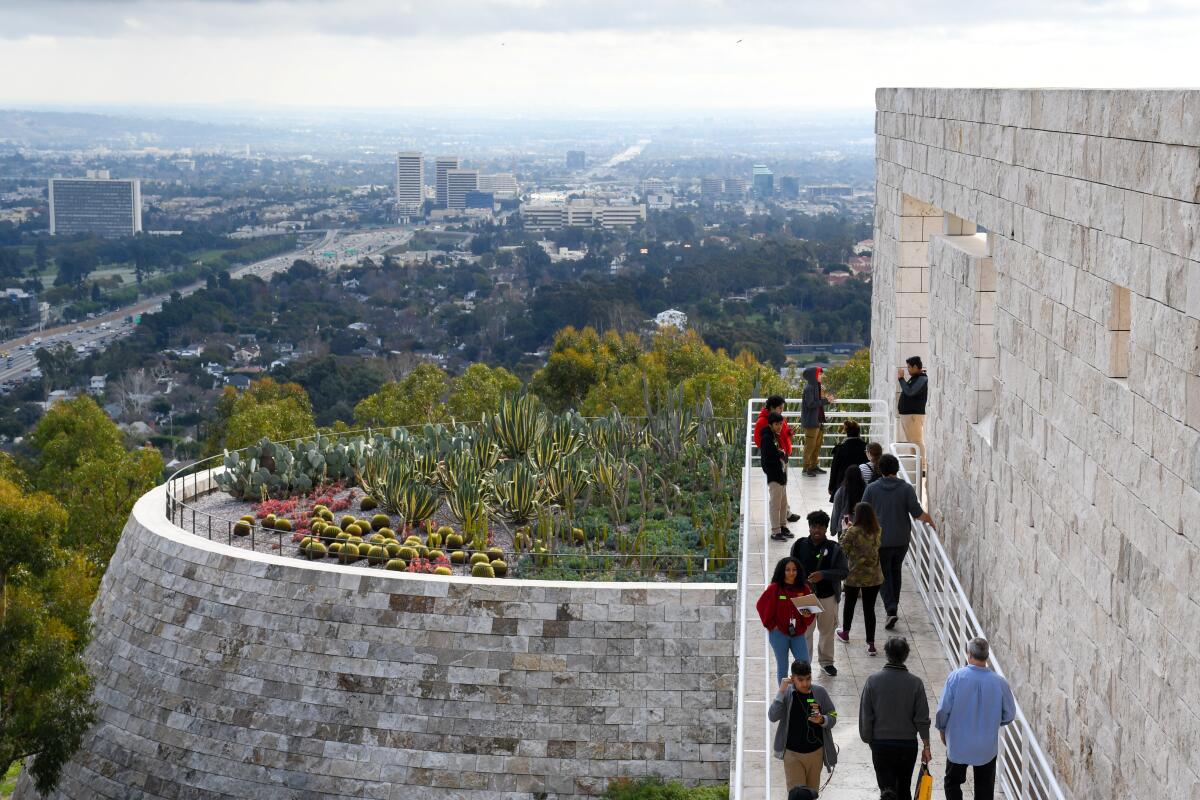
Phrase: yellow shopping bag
(924, 784)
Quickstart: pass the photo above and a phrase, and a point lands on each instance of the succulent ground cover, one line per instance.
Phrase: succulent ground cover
(524, 493)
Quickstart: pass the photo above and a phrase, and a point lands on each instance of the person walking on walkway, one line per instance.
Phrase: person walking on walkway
(804, 737)
(825, 565)
(975, 704)
(861, 544)
(784, 622)
(775, 404)
(848, 495)
(914, 392)
(850, 451)
(892, 713)
(812, 418)
(870, 470)
(894, 501)
(772, 459)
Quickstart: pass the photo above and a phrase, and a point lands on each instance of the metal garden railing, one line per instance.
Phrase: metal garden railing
(871, 415)
(1022, 770)
(190, 483)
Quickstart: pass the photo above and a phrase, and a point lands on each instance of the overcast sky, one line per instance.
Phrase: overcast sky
(574, 55)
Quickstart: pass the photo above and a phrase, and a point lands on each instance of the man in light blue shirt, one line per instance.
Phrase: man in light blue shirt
(975, 704)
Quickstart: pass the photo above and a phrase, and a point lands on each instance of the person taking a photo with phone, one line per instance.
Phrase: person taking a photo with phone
(804, 737)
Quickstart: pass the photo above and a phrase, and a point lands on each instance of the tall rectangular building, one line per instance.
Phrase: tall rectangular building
(109, 208)
(501, 184)
(441, 166)
(458, 183)
(410, 183)
(764, 181)
(576, 159)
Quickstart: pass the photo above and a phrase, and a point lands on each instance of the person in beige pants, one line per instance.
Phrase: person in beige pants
(826, 566)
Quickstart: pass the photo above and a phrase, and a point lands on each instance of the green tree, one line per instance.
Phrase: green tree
(39, 255)
(579, 360)
(852, 379)
(80, 459)
(45, 593)
(480, 389)
(242, 418)
(414, 400)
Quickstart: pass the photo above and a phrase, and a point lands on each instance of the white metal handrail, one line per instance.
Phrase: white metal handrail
(743, 591)
(871, 415)
(1023, 771)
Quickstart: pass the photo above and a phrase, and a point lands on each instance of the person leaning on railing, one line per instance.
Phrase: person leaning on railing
(894, 502)
(812, 419)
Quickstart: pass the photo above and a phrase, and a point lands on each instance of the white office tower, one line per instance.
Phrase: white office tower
(410, 183)
(442, 165)
(458, 183)
(109, 208)
(502, 184)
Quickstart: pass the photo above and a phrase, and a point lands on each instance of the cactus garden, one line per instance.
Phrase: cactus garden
(522, 494)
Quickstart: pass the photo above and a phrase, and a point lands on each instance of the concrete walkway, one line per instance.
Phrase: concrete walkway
(854, 778)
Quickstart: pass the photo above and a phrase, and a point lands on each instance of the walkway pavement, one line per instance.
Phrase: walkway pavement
(854, 778)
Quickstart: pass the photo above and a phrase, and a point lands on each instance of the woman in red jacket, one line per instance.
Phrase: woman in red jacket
(784, 622)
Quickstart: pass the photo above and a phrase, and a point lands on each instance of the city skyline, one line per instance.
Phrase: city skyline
(762, 57)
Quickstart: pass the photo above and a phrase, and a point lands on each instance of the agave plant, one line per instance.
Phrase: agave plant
(516, 425)
(485, 450)
(414, 502)
(544, 454)
(567, 433)
(467, 501)
(565, 482)
(517, 493)
(612, 476)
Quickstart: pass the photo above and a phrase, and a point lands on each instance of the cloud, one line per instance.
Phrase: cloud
(411, 18)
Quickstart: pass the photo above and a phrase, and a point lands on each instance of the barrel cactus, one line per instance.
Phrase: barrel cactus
(482, 571)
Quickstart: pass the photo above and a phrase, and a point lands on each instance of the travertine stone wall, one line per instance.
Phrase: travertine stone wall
(1072, 511)
(226, 674)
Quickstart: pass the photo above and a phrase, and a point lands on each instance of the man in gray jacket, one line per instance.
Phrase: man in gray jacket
(892, 713)
(804, 738)
(894, 502)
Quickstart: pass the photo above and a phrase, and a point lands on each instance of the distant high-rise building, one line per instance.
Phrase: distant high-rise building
(576, 159)
(480, 200)
(458, 183)
(764, 181)
(581, 214)
(653, 186)
(827, 192)
(789, 186)
(109, 208)
(735, 187)
(503, 184)
(410, 183)
(711, 188)
(441, 166)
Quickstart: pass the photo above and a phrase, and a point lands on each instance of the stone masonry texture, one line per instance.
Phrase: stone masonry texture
(1063, 428)
(227, 674)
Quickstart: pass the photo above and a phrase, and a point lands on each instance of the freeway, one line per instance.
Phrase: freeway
(98, 332)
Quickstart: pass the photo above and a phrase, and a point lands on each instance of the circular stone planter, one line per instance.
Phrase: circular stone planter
(226, 673)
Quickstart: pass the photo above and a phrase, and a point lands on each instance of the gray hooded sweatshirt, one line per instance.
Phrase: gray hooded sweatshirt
(893, 501)
(811, 402)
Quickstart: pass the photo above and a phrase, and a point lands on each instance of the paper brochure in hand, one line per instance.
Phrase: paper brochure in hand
(807, 602)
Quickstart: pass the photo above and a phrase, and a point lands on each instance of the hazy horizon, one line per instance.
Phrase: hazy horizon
(557, 58)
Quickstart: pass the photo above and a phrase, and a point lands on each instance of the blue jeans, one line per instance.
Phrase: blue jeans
(781, 643)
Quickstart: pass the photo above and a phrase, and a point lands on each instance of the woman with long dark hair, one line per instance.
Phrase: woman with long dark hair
(784, 622)
(848, 495)
(860, 542)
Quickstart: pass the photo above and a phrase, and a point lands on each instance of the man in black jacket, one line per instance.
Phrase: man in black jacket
(771, 457)
(826, 566)
(914, 392)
